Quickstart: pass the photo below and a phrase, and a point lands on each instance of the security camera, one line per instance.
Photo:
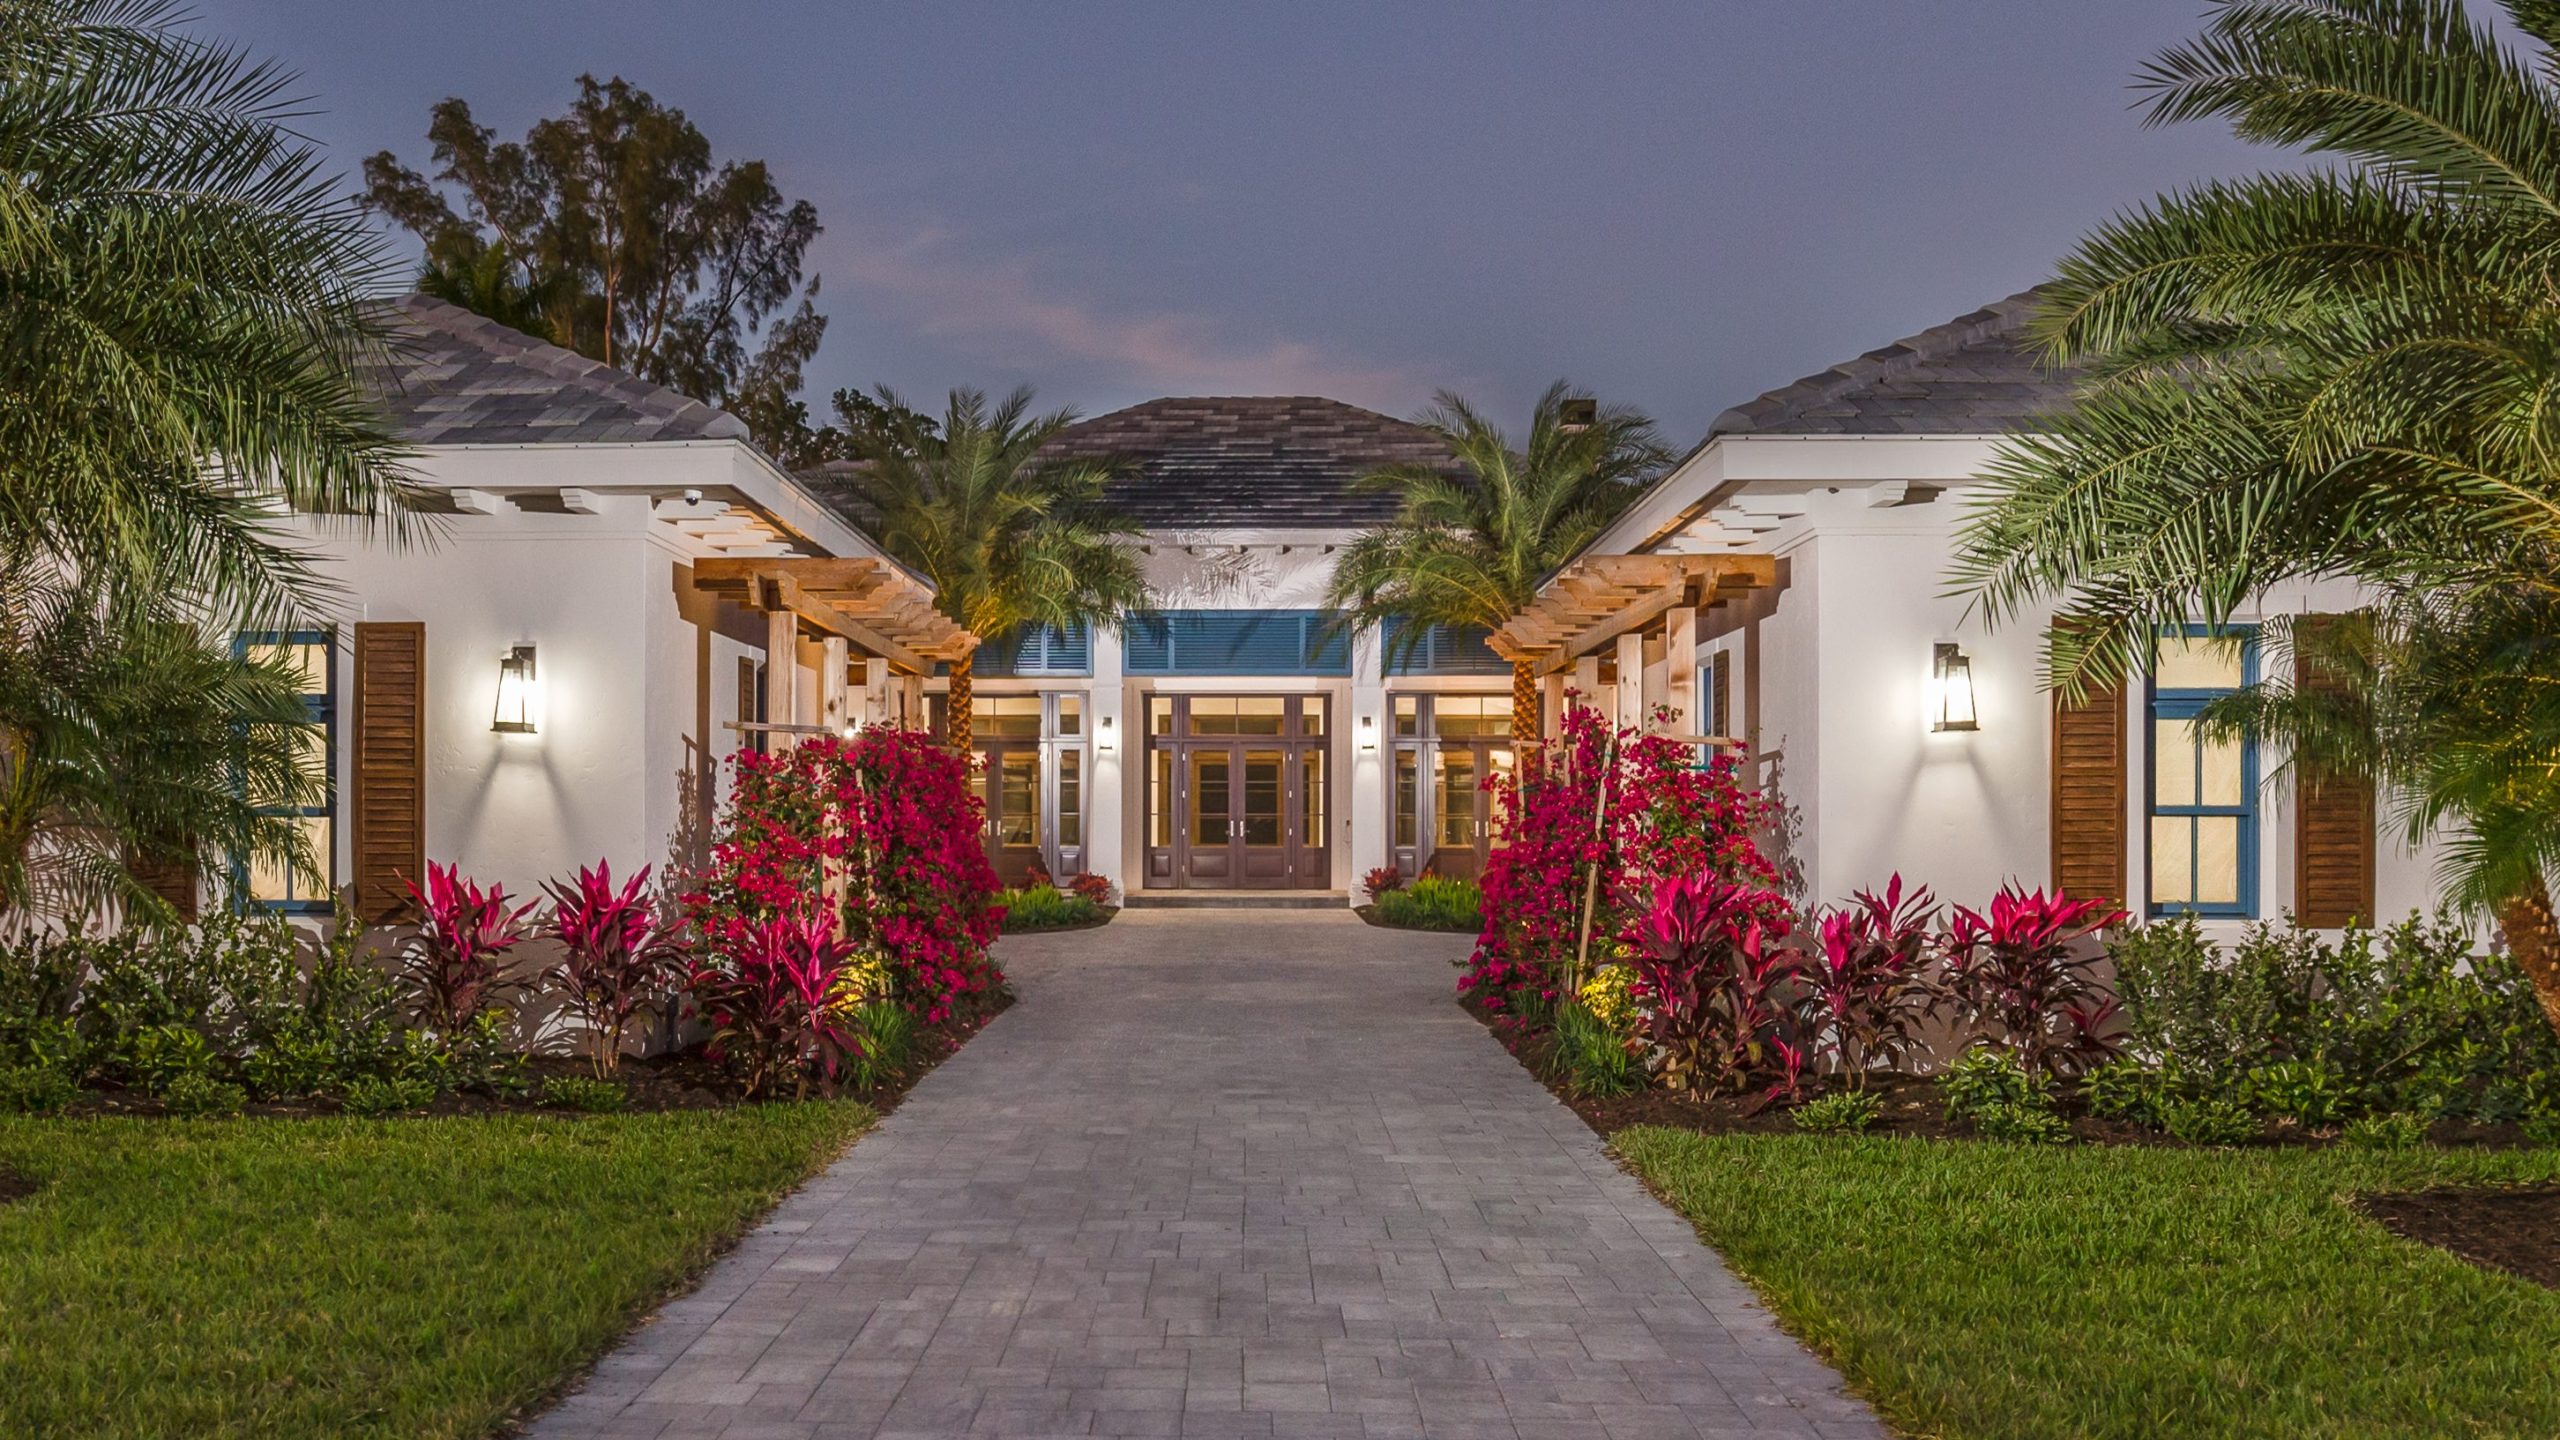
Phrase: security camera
(692, 496)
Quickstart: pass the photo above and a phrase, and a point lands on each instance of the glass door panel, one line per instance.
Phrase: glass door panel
(1018, 800)
(1453, 795)
(1262, 798)
(1210, 801)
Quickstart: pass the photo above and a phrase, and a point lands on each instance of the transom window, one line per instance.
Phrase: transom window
(2203, 795)
(310, 655)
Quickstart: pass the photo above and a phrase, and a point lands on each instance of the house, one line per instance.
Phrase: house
(1901, 734)
(554, 673)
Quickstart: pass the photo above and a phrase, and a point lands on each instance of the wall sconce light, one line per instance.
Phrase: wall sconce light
(1106, 737)
(1951, 681)
(516, 682)
(1368, 732)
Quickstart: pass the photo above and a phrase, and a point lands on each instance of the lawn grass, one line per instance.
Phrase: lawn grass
(422, 1277)
(1990, 1292)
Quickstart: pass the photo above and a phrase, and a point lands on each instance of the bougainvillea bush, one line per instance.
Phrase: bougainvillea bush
(880, 832)
(1605, 816)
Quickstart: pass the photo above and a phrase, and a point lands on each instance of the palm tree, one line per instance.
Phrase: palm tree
(1474, 539)
(187, 302)
(2343, 373)
(1007, 539)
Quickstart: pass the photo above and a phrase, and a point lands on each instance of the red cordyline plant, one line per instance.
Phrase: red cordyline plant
(452, 956)
(768, 994)
(2019, 978)
(1867, 981)
(1626, 810)
(619, 958)
(1718, 989)
(883, 831)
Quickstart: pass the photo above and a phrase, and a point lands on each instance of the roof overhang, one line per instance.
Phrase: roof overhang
(1597, 598)
(873, 605)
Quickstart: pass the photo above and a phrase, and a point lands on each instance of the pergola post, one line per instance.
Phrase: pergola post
(834, 711)
(1631, 681)
(782, 673)
(1680, 668)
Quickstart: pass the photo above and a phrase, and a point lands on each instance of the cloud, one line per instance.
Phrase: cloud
(998, 305)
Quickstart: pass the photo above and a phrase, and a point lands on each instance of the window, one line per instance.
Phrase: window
(1037, 650)
(2203, 795)
(1004, 717)
(1443, 650)
(312, 655)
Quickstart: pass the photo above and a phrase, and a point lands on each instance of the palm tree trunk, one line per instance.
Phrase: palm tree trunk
(957, 724)
(1525, 710)
(2533, 938)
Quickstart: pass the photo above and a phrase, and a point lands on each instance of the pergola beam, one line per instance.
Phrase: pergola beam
(1598, 598)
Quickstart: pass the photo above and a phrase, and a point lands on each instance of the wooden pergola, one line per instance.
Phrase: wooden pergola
(853, 606)
(1617, 603)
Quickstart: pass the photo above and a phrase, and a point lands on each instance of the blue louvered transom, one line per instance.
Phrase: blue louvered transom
(1238, 642)
(1037, 650)
(1445, 650)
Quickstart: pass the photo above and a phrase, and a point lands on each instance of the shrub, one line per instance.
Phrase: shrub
(1590, 1057)
(884, 1044)
(1382, 880)
(1719, 1020)
(291, 1065)
(452, 956)
(387, 1095)
(1612, 815)
(1044, 907)
(2128, 1090)
(198, 1094)
(2208, 1120)
(157, 1057)
(2394, 1131)
(2015, 978)
(1845, 1112)
(39, 985)
(898, 819)
(768, 994)
(1434, 902)
(35, 1089)
(1867, 981)
(1094, 890)
(619, 959)
(2542, 1128)
(1985, 1076)
(2016, 1124)
(1609, 996)
(591, 1094)
(2305, 1092)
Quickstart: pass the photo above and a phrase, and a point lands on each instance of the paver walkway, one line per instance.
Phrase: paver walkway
(1222, 1173)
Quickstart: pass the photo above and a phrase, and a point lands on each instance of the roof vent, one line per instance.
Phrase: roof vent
(1578, 413)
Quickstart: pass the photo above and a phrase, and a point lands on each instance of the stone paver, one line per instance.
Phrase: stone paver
(1223, 1173)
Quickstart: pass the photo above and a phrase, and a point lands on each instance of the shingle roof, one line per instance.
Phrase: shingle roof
(1277, 461)
(1974, 375)
(458, 379)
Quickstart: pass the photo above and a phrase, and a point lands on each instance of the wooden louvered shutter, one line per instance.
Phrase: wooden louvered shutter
(387, 803)
(172, 879)
(2090, 771)
(2332, 834)
(1720, 704)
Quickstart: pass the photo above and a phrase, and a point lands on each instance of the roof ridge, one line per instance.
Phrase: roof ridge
(2006, 316)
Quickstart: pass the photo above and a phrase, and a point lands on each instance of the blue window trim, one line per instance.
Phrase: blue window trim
(322, 707)
(2173, 703)
(1038, 649)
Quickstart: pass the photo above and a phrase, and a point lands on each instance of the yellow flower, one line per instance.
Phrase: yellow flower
(1605, 996)
(863, 980)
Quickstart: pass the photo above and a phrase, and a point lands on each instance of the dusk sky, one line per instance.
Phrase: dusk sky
(1678, 205)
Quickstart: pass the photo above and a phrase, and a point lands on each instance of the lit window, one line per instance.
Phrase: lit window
(2203, 794)
(309, 656)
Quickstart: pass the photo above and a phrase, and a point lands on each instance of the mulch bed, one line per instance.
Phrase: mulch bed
(684, 1080)
(2516, 1230)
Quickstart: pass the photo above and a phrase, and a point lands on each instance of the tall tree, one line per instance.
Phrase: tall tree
(186, 299)
(1474, 538)
(1006, 538)
(2352, 372)
(611, 230)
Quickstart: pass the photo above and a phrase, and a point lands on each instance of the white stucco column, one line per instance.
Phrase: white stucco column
(1366, 812)
(1113, 789)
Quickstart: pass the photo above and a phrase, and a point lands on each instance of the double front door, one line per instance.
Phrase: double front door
(1237, 794)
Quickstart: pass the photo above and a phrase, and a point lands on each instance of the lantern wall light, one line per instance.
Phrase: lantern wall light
(518, 692)
(1951, 689)
(1107, 737)
(1368, 732)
